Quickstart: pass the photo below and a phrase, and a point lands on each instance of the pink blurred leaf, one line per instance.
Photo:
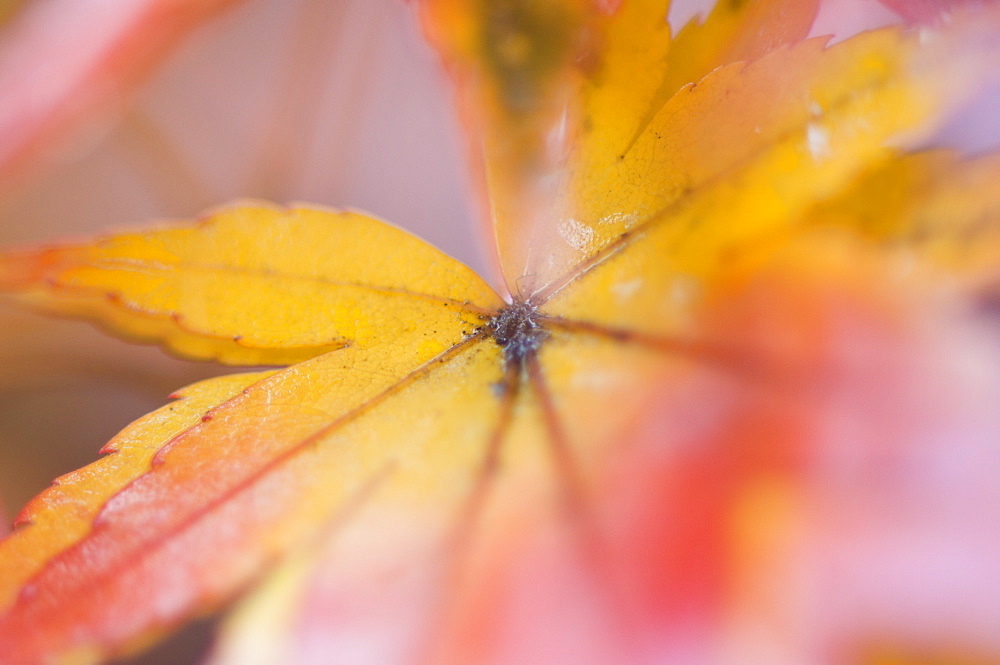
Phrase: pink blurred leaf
(63, 62)
(928, 11)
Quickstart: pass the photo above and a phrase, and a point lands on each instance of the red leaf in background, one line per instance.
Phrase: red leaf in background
(62, 61)
(928, 11)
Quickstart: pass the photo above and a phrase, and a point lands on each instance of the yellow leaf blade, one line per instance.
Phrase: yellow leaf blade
(589, 85)
(811, 120)
(934, 207)
(251, 480)
(413, 586)
(590, 116)
(254, 284)
(735, 31)
(62, 515)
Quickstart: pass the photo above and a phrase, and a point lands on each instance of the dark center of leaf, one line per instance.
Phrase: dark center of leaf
(516, 330)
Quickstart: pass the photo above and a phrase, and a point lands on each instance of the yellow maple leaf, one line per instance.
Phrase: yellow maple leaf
(616, 463)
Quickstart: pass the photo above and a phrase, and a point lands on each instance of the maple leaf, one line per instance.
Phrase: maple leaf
(449, 476)
(176, 150)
